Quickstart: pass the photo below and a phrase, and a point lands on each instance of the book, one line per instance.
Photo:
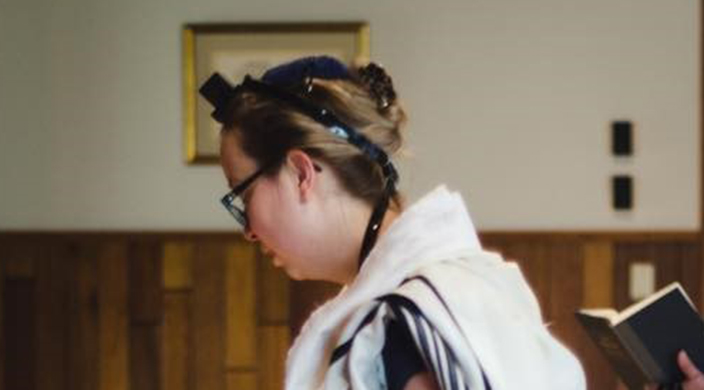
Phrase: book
(642, 342)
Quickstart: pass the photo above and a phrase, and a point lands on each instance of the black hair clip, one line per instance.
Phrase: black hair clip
(378, 83)
(218, 92)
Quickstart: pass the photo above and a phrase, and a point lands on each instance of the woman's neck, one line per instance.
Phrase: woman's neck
(353, 262)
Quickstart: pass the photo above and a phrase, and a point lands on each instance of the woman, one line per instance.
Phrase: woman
(307, 150)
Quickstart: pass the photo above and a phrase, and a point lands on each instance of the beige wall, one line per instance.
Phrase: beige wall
(509, 101)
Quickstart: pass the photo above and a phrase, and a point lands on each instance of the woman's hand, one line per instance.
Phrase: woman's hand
(694, 379)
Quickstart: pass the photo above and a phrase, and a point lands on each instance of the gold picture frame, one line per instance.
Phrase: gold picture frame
(234, 50)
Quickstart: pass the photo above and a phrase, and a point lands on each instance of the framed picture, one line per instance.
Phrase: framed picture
(235, 50)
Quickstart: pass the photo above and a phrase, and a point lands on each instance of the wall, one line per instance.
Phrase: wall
(518, 94)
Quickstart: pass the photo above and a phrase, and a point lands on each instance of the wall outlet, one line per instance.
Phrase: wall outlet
(641, 280)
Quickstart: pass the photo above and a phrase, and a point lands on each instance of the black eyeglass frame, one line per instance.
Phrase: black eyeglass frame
(228, 200)
(240, 214)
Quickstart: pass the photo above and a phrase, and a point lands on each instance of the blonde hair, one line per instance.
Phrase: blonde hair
(268, 128)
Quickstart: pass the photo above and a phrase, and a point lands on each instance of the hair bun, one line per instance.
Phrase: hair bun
(378, 83)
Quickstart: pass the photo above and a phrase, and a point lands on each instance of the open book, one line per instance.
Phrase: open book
(642, 341)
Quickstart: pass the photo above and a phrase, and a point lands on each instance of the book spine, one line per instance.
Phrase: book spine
(640, 353)
(615, 351)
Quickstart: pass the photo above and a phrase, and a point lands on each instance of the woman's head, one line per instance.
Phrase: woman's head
(268, 127)
(265, 132)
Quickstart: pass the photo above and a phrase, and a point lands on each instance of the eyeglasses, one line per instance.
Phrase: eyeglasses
(233, 201)
(235, 204)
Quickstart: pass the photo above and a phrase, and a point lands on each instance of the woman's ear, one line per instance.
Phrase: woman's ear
(303, 167)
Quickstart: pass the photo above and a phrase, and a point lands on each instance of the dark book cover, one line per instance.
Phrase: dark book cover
(618, 355)
(641, 343)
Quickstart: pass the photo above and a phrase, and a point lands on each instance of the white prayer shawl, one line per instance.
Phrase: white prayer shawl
(495, 325)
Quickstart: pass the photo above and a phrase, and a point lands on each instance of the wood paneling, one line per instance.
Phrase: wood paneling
(145, 275)
(564, 259)
(83, 318)
(241, 380)
(273, 294)
(144, 357)
(668, 262)
(145, 303)
(203, 311)
(2, 323)
(113, 318)
(306, 296)
(52, 306)
(208, 317)
(241, 313)
(272, 341)
(19, 258)
(692, 272)
(20, 340)
(598, 274)
(177, 258)
(673, 261)
(598, 293)
(176, 373)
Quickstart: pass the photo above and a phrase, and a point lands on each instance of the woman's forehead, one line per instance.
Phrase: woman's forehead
(236, 164)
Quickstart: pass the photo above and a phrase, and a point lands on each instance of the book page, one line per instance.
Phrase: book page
(607, 314)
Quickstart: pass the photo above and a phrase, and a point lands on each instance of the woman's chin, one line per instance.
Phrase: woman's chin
(277, 263)
(293, 274)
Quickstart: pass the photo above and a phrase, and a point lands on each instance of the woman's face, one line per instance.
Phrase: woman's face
(278, 218)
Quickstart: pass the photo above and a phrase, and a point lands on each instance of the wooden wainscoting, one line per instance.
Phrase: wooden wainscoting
(140, 311)
(148, 311)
